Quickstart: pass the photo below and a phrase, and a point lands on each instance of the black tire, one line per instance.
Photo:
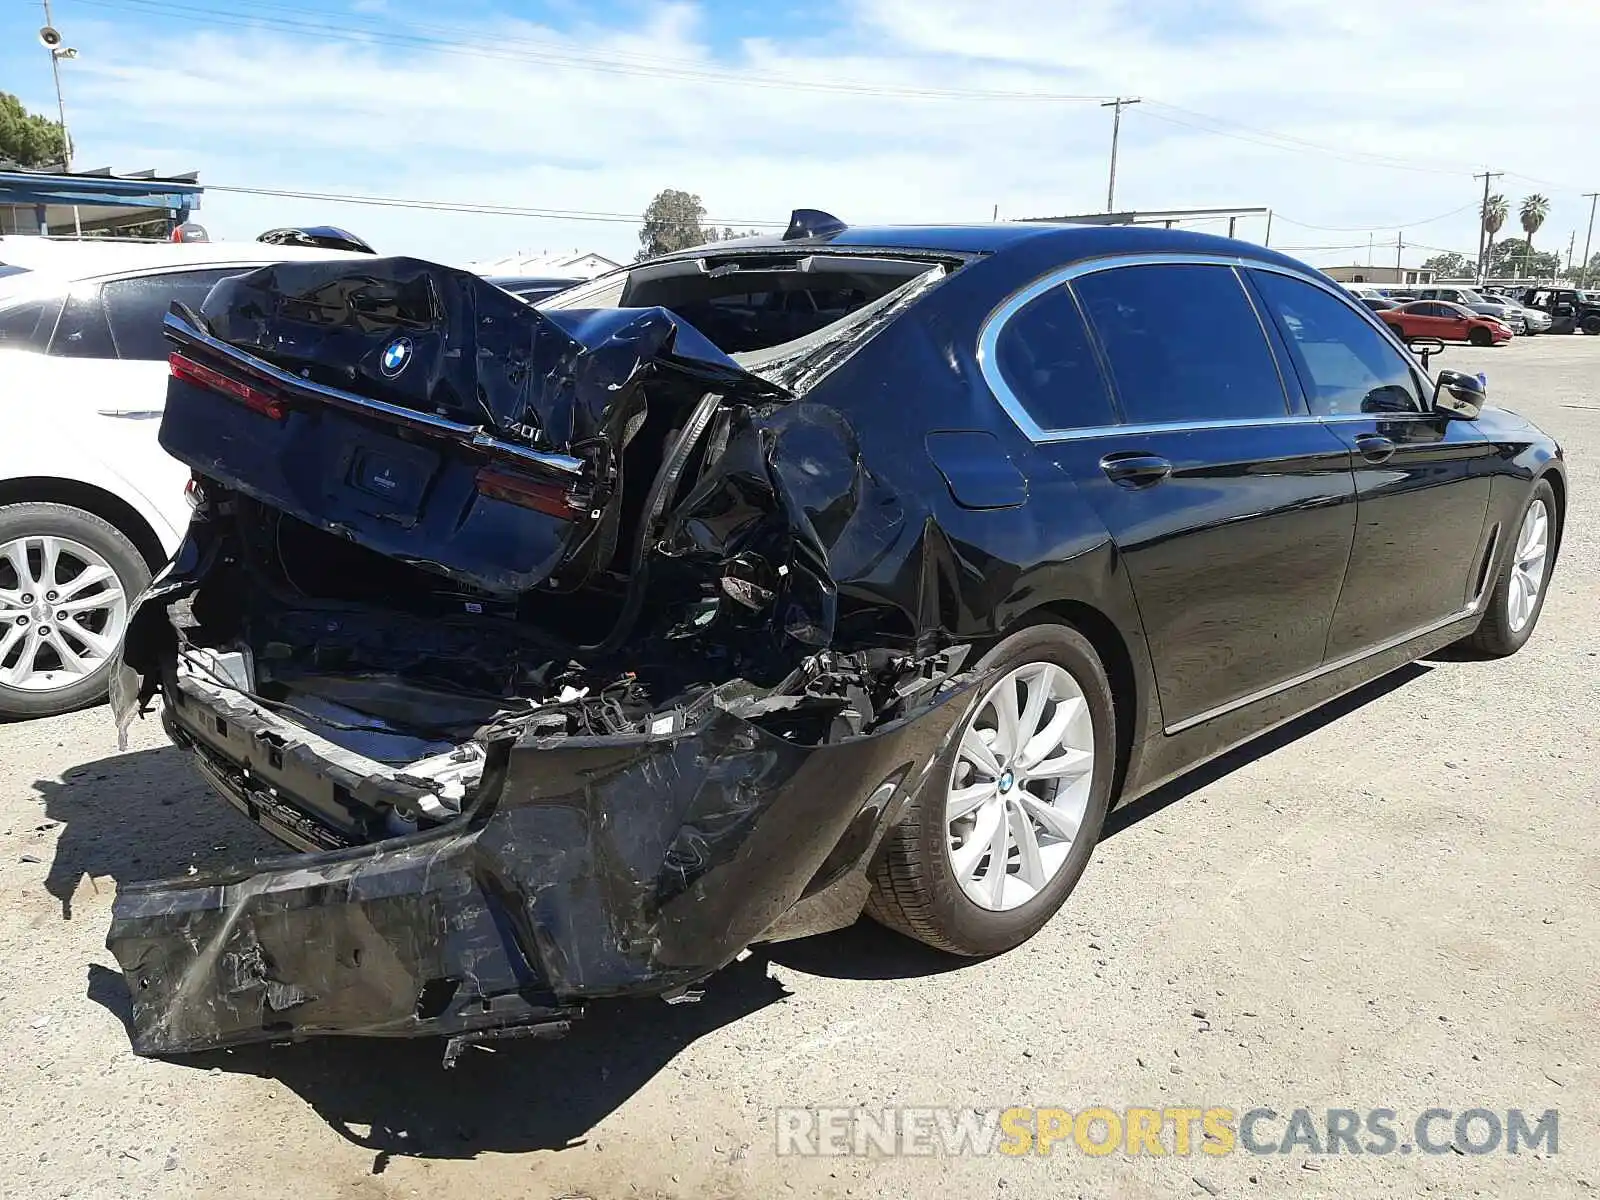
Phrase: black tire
(93, 533)
(1494, 636)
(915, 890)
(1480, 337)
(1591, 324)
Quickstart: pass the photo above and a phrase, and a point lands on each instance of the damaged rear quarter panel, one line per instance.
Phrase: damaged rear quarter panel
(608, 866)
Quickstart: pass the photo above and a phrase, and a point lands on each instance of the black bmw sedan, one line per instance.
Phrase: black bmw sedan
(723, 598)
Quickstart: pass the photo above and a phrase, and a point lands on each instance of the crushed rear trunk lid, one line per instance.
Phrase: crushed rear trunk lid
(426, 414)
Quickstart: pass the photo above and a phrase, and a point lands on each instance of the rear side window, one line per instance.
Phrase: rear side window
(137, 306)
(27, 326)
(1184, 344)
(1345, 365)
(1044, 355)
(82, 331)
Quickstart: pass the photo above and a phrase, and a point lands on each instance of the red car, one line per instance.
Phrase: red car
(1448, 322)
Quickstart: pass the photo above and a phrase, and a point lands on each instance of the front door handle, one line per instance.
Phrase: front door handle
(1135, 469)
(1374, 447)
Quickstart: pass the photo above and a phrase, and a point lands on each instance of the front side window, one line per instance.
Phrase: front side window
(1345, 365)
(1046, 359)
(136, 307)
(1184, 344)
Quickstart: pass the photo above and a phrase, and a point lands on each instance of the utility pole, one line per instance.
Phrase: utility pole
(1370, 237)
(57, 53)
(1399, 244)
(1572, 242)
(1583, 271)
(1116, 131)
(1483, 267)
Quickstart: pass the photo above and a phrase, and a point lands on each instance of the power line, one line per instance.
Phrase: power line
(1375, 228)
(494, 210)
(311, 23)
(506, 52)
(1283, 141)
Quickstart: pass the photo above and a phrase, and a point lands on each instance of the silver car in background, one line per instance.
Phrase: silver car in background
(1514, 315)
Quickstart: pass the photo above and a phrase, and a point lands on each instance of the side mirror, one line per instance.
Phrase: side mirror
(1423, 347)
(1457, 394)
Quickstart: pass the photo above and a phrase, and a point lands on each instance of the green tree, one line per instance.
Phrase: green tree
(1495, 213)
(672, 221)
(28, 139)
(1577, 274)
(1534, 210)
(1515, 259)
(1451, 265)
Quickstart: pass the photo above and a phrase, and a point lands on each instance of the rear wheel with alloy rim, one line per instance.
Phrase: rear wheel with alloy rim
(67, 580)
(1001, 831)
(1515, 601)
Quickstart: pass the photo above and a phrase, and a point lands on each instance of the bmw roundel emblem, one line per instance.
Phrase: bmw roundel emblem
(395, 357)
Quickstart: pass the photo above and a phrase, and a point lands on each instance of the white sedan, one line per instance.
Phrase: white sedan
(90, 505)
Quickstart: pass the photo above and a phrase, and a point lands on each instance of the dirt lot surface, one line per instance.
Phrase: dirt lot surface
(1391, 903)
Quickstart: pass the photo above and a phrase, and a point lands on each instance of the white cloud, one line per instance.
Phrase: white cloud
(1371, 76)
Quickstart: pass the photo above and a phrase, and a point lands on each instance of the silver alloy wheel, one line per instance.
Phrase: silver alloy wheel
(1528, 565)
(1020, 786)
(62, 612)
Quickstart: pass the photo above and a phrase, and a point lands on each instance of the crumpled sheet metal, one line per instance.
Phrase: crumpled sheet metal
(608, 866)
(475, 353)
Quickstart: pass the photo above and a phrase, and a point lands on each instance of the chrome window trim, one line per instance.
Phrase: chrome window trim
(995, 323)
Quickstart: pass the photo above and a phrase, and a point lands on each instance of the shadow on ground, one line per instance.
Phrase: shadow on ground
(1169, 794)
(393, 1097)
(141, 815)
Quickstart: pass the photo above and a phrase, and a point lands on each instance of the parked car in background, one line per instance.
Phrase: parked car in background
(532, 288)
(90, 505)
(1447, 322)
(1379, 303)
(583, 645)
(1510, 314)
(1568, 308)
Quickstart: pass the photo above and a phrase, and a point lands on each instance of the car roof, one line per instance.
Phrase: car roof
(1060, 240)
(68, 260)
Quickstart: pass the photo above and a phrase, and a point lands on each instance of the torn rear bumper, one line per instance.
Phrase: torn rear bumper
(609, 866)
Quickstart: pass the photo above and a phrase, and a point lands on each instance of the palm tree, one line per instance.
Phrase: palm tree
(1534, 210)
(1495, 213)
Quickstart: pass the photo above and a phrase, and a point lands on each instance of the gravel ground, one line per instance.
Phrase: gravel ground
(1391, 903)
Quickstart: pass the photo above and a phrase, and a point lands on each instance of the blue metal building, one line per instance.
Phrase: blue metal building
(43, 202)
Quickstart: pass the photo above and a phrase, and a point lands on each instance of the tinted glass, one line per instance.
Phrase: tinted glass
(82, 331)
(1045, 356)
(27, 326)
(136, 307)
(1345, 365)
(1184, 344)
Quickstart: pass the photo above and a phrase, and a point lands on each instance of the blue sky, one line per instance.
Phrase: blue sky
(1360, 115)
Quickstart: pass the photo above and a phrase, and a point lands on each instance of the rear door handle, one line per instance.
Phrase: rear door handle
(1374, 447)
(1134, 469)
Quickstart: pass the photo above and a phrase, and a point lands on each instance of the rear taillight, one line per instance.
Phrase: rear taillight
(253, 398)
(552, 499)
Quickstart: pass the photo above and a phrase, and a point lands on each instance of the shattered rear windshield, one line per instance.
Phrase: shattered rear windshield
(752, 303)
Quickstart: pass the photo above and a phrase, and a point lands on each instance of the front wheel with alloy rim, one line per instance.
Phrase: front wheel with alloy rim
(1004, 825)
(1514, 603)
(67, 580)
